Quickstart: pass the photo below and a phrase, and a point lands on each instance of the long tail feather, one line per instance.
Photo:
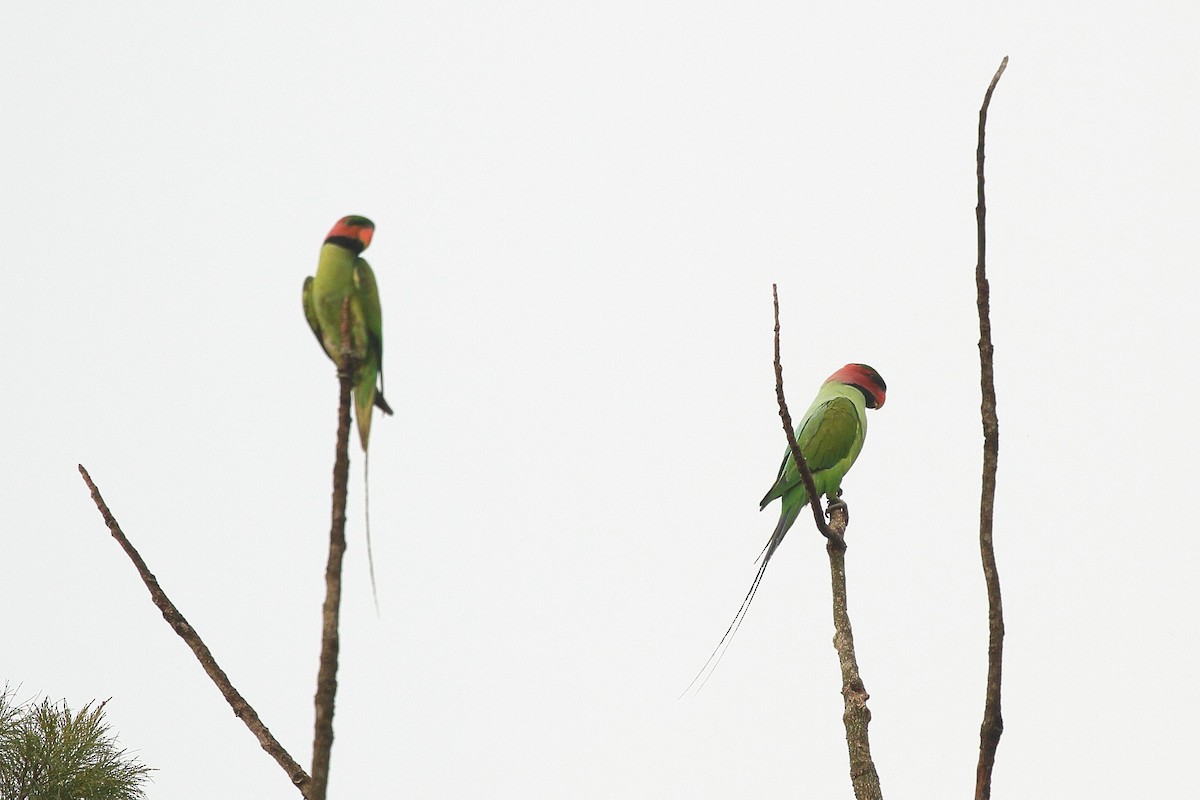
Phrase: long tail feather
(367, 524)
(362, 410)
(786, 517)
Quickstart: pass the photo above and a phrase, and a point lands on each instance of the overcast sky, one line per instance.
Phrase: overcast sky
(580, 210)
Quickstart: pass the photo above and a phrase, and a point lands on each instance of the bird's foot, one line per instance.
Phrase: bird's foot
(836, 503)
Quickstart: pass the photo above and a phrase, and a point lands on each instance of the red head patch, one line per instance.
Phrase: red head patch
(353, 233)
(866, 380)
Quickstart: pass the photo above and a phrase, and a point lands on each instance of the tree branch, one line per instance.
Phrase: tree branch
(241, 709)
(805, 473)
(993, 724)
(855, 715)
(330, 612)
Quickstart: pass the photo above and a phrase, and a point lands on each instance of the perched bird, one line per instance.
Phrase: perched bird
(341, 272)
(830, 437)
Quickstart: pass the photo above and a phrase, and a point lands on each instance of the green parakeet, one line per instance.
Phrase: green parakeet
(341, 272)
(830, 437)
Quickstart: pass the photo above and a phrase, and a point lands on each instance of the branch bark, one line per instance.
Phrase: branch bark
(855, 716)
(331, 611)
(805, 473)
(993, 724)
(241, 709)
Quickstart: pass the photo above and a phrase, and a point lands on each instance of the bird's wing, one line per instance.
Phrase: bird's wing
(310, 311)
(829, 434)
(368, 295)
(826, 437)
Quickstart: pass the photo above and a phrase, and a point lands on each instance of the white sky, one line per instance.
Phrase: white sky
(580, 210)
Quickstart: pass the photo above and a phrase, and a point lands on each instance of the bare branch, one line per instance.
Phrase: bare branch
(241, 709)
(805, 473)
(855, 715)
(327, 671)
(993, 724)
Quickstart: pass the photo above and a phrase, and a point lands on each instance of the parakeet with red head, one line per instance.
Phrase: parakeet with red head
(830, 436)
(342, 272)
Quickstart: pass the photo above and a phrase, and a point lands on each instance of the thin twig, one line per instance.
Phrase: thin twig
(241, 709)
(805, 473)
(855, 714)
(993, 723)
(327, 672)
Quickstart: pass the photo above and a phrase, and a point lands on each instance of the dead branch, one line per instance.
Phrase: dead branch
(797, 456)
(331, 611)
(241, 709)
(856, 715)
(993, 724)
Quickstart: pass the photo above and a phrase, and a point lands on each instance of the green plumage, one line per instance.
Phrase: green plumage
(830, 437)
(342, 273)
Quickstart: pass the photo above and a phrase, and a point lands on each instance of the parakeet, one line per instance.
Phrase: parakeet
(830, 437)
(341, 272)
